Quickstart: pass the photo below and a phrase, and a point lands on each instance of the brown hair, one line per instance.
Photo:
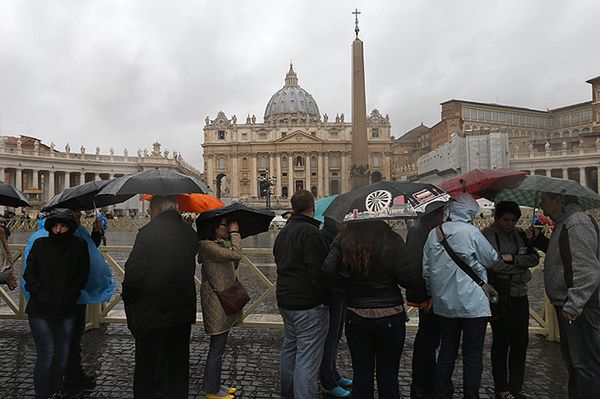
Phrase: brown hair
(358, 240)
(303, 201)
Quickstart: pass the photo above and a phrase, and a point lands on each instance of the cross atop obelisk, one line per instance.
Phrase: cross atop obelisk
(356, 14)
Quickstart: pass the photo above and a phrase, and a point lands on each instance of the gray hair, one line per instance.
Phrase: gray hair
(164, 203)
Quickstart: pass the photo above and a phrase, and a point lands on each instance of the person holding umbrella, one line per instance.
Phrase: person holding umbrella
(220, 253)
(6, 261)
(159, 294)
(572, 282)
(57, 271)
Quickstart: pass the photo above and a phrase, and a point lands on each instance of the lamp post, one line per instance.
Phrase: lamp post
(266, 184)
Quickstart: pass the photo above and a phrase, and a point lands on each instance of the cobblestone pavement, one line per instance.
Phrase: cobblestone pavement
(251, 362)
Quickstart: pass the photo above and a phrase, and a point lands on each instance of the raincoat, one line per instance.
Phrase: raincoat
(100, 285)
(454, 294)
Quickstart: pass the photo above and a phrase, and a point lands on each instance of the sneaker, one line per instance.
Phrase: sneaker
(337, 392)
(228, 390)
(220, 395)
(345, 382)
(522, 395)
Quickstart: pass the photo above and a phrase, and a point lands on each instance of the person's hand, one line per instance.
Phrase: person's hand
(569, 316)
(234, 227)
(507, 258)
(531, 232)
(12, 282)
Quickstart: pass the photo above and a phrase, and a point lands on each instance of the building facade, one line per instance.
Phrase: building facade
(40, 171)
(294, 144)
(561, 142)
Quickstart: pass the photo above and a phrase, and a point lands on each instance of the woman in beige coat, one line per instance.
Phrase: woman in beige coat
(220, 252)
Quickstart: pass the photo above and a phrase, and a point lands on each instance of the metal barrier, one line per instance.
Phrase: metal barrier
(105, 312)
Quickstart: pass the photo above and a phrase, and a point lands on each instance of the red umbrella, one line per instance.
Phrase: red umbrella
(483, 182)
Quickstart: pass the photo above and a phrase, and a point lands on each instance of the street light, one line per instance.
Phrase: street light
(266, 184)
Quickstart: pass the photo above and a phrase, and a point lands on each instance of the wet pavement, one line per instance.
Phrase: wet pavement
(252, 358)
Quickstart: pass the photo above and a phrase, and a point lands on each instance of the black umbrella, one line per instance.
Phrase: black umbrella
(252, 221)
(84, 197)
(386, 200)
(156, 182)
(10, 196)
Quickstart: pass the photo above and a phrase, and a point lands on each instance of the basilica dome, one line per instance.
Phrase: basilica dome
(292, 103)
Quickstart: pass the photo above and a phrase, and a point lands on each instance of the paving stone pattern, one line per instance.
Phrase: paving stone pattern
(251, 362)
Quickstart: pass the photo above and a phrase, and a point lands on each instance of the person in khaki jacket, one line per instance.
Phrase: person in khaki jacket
(220, 252)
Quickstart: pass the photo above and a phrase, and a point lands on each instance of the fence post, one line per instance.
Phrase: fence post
(552, 330)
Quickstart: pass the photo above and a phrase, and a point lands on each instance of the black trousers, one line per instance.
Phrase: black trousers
(74, 370)
(172, 345)
(509, 346)
(424, 357)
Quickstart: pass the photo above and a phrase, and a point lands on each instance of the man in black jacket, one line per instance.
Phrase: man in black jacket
(302, 297)
(160, 299)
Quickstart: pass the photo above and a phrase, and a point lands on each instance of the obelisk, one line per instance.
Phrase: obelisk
(359, 173)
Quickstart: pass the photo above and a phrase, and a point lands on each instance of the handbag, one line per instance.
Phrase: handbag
(234, 298)
(488, 289)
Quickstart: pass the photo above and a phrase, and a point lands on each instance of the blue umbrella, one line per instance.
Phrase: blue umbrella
(321, 205)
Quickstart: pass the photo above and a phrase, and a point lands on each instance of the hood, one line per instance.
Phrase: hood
(462, 208)
(60, 215)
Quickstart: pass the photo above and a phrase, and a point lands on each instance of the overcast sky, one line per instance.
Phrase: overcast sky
(128, 73)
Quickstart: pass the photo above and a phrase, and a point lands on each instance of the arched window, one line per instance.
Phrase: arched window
(313, 162)
(244, 163)
(284, 163)
(299, 161)
(284, 191)
(221, 163)
(376, 161)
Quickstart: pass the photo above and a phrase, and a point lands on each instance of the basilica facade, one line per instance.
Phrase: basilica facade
(295, 147)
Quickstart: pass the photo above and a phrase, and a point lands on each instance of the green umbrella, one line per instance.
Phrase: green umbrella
(527, 193)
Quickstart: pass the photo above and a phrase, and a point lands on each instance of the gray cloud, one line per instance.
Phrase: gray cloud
(125, 74)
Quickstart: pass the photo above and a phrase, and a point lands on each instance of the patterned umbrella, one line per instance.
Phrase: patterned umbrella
(386, 200)
(527, 193)
(483, 182)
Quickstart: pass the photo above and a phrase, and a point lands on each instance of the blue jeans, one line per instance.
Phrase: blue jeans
(302, 350)
(375, 346)
(580, 347)
(473, 337)
(424, 357)
(337, 314)
(214, 363)
(52, 340)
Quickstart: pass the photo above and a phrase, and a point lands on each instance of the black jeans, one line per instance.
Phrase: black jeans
(424, 357)
(473, 336)
(74, 370)
(173, 345)
(580, 347)
(337, 314)
(510, 337)
(375, 344)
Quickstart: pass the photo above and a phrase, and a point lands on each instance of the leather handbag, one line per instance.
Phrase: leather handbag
(234, 298)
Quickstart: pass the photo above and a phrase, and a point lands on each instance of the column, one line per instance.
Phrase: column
(345, 179)
(291, 189)
(81, 177)
(326, 175)
(582, 176)
(50, 184)
(253, 177)
(234, 178)
(532, 172)
(565, 173)
(549, 172)
(97, 176)
(307, 171)
(19, 179)
(320, 175)
(209, 174)
(35, 179)
(278, 175)
(598, 177)
(2, 171)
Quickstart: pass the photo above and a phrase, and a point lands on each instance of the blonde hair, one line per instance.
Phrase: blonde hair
(163, 203)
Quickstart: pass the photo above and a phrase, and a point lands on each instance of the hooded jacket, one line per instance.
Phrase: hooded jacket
(57, 270)
(454, 294)
(583, 244)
